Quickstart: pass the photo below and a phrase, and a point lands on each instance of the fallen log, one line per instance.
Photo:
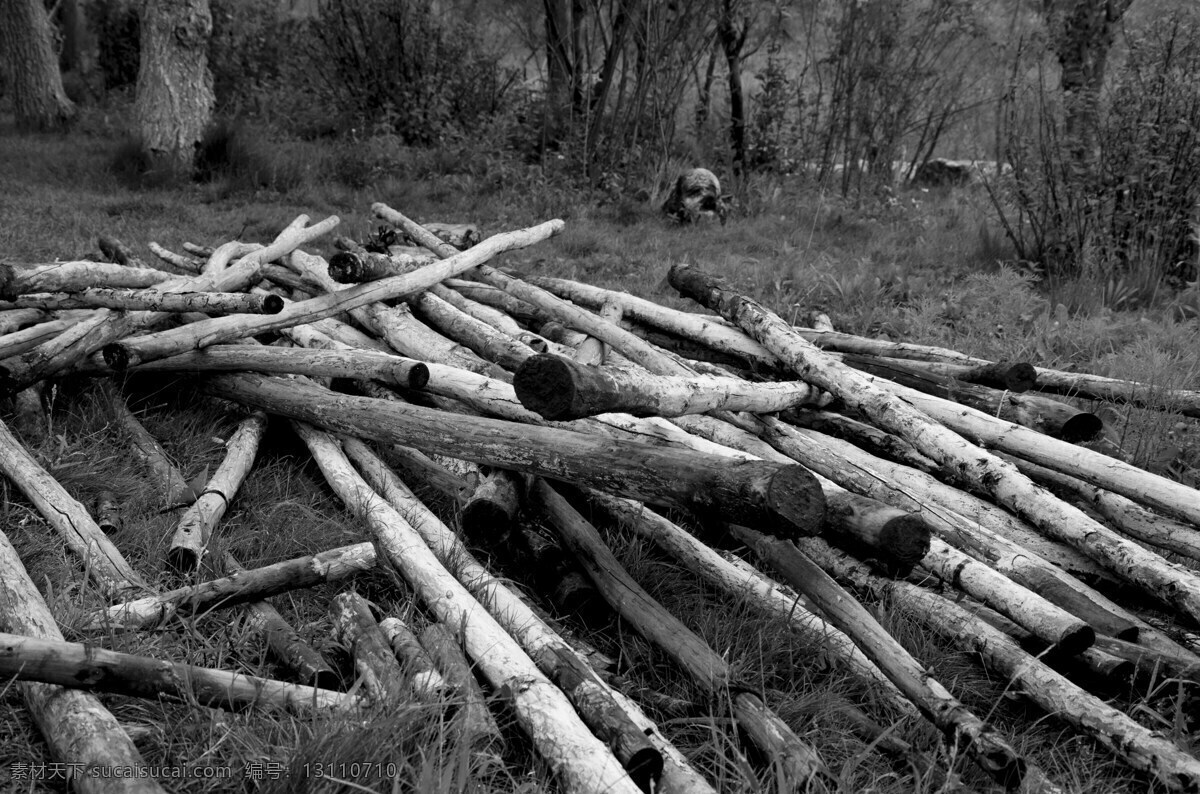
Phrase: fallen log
(76, 726)
(426, 683)
(122, 355)
(241, 587)
(29, 414)
(16, 319)
(799, 763)
(150, 300)
(375, 662)
(559, 388)
(284, 642)
(18, 342)
(443, 650)
(72, 664)
(1169, 583)
(593, 351)
(108, 512)
(99, 557)
(192, 535)
(567, 667)
(555, 573)
(75, 276)
(175, 489)
(987, 748)
(581, 760)
(185, 263)
(786, 497)
(1136, 745)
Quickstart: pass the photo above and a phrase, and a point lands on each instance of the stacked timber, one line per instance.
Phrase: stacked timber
(805, 471)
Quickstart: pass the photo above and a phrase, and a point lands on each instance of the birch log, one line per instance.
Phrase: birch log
(573, 754)
(75, 724)
(780, 496)
(240, 587)
(1136, 745)
(982, 743)
(190, 542)
(70, 519)
(1169, 583)
(223, 329)
(85, 666)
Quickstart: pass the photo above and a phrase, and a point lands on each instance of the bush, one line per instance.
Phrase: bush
(115, 23)
(247, 158)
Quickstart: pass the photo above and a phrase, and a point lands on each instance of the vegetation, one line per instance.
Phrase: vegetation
(1042, 264)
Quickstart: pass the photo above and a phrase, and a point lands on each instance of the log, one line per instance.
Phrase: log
(223, 329)
(1136, 745)
(520, 311)
(108, 512)
(116, 251)
(427, 684)
(185, 263)
(1168, 582)
(798, 762)
(171, 483)
(987, 748)
(593, 351)
(374, 661)
(73, 664)
(29, 414)
(478, 723)
(18, 342)
(241, 587)
(192, 535)
(459, 235)
(785, 497)
(559, 388)
(284, 642)
(591, 696)
(1041, 413)
(1123, 513)
(356, 364)
(150, 300)
(75, 276)
(582, 762)
(16, 319)
(555, 573)
(99, 557)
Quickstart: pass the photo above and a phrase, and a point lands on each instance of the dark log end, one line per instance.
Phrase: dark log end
(693, 283)
(796, 498)
(347, 267)
(1020, 377)
(906, 538)
(418, 376)
(272, 304)
(486, 521)
(645, 767)
(116, 355)
(545, 384)
(113, 249)
(183, 560)
(325, 679)
(1077, 640)
(1081, 427)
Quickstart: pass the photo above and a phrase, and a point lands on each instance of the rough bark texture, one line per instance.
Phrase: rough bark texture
(174, 89)
(478, 723)
(39, 101)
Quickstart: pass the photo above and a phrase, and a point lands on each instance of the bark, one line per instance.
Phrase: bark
(97, 669)
(800, 763)
(184, 263)
(108, 512)
(174, 89)
(225, 329)
(151, 300)
(982, 743)
(39, 102)
(583, 762)
(733, 40)
(785, 497)
(29, 415)
(19, 342)
(15, 319)
(426, 683)
(1168, 582)
(559, 388)
(593, 351)
(478, 723)
(240, 587)
(75, 725)
(100, 558)
(74, 277)
(172, 485)
(375, 662)
(557, 574)
(1135, 744)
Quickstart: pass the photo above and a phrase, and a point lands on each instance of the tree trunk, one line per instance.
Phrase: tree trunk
(558, 68)
(39, 101)
(175, 88)
(733, 41)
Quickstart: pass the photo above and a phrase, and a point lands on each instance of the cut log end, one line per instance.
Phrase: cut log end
(1077, 640)
(1081, 427)
(906, 538)
(183, 560)
(272, 304)
(325, 679)
(417, 376)
(645, 768)
(116, 355)
(1020, 377)
(347, 267)
(795, 496)
(544, 384)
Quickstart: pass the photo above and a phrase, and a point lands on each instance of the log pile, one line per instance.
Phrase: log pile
(813, 472)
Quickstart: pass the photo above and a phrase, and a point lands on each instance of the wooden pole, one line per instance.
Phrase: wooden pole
(375, 662)
(75, 724)
(151, 300)
(190, 542)
(444, 651)
(786, 497)
(170, 481)
(75, 276)
(242, 586)
(426, 683)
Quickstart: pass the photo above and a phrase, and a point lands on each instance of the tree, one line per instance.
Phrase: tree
(1081, 35)
(174, 88)
(732, 33)
(39, 102)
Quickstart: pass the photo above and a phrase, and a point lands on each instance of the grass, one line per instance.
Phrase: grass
(922, 267)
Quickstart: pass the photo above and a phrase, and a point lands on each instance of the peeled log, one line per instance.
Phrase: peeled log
(478, 723)
(785, 497)
(75, 276)
(374, 660)
(152, 300)
(559, 388)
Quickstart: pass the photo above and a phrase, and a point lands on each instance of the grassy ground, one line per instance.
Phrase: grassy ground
(922, 268)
